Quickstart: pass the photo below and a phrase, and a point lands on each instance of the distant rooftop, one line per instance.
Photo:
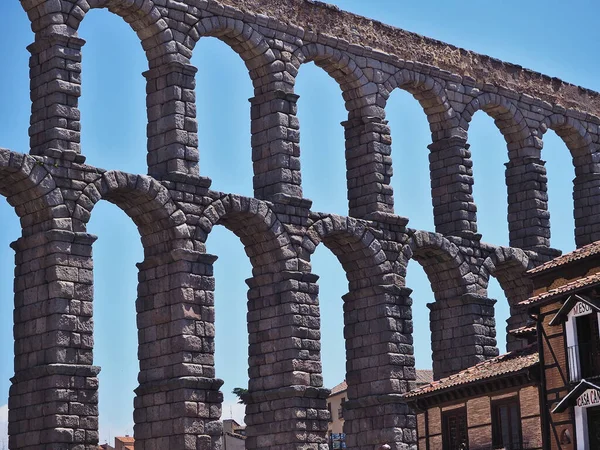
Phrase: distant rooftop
(424, 376)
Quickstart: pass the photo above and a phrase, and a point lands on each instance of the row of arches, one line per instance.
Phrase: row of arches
(363, 257)
(126, 188)
(366, 90)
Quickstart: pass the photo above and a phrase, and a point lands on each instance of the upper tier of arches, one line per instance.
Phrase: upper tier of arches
(273, 59)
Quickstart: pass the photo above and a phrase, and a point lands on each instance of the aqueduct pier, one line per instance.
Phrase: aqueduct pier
(53, 398)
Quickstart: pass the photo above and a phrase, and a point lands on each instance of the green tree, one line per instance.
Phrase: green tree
(242, 395)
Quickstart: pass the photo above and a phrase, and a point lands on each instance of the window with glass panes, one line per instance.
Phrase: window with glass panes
(506, 424)
(454, 429)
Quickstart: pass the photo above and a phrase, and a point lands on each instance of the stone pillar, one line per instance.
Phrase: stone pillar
(528, 216)
(178, 402)
(586, 196)
(55, 73)
(380, 367)
(53, 399)
(463, 333)
(287, 405)
(275, 145)
(172, 125)
(451, 172)
(369, 165)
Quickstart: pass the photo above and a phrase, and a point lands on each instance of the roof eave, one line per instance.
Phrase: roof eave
(475, 383)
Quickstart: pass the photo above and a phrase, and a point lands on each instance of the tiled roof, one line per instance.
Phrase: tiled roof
(581, 253)
(125, 439)
(423, 376)
(569, 288)
(339, 388)
(508, 363)
(523, 331)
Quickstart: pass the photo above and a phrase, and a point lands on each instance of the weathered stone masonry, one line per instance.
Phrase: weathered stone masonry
(53, 398)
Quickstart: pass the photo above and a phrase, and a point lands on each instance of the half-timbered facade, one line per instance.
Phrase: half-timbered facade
(566, 303)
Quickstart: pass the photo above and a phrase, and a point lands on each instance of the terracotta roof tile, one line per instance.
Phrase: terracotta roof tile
(581, 253)
(512, 362)
(339, 388)
(424, 376)
(523, 331)
(571, 287)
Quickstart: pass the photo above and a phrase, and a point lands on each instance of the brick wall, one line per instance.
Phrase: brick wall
(554, 359)
(479, 421)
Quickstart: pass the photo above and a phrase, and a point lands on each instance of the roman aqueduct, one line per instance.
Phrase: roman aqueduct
(53, 398)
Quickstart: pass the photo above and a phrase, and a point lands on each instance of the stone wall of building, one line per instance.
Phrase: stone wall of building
(53, 400)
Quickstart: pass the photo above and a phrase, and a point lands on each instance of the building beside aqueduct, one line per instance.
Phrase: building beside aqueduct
(53, 398)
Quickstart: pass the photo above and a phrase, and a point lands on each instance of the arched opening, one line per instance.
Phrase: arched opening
(15, 107)
(375, 314)
(223, 88)
(116, 253)
(231, 328)
(114, 120)
(11, 230)
(489, 154)
(332, 286)
(113, 101)
(322, 144)
(422, 294)
(560, 173)
(335, 332)
(501, 312)
(411, 181)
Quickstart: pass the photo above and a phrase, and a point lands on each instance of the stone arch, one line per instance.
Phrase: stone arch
(143, 17)
(509, 266)
(366, 132)
(446, 143)
(574, 134)
(379, 357)
(359, 252)
(270, 308)
(341, 67)
(524, 168)
(507, 117)
(272, 108)
(461, 318)
(441, 260)
(160, 222)
(585, 155)
(432, 97)
(166, 59)
(30, 189)
(33, 9)
(242, 38)
(266, 242)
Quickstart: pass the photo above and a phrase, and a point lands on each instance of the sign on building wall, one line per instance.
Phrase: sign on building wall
(591, 397)
(581, 309)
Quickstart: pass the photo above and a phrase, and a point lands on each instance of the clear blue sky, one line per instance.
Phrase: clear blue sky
(548, 37)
